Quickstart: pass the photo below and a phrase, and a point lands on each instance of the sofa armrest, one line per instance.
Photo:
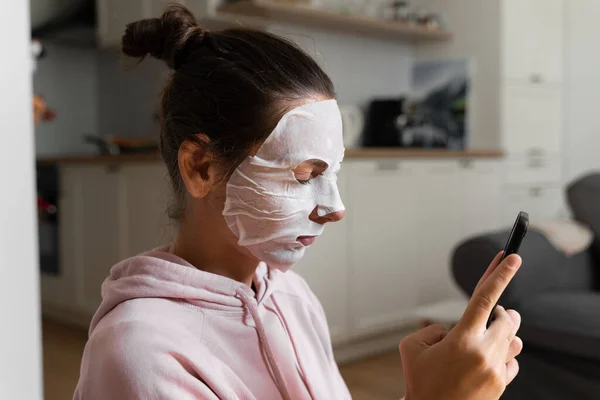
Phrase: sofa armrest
(544, 268)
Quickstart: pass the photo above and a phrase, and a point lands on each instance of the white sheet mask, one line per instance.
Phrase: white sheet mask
(266, 207)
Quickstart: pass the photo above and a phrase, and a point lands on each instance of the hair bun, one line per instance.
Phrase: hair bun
(162, 37)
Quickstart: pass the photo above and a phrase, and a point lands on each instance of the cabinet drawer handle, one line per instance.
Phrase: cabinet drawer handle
(536, 78)
(536, 163)
(536, 152)
(535, 192)
(466, 163)
(388, 165)
(113, 168)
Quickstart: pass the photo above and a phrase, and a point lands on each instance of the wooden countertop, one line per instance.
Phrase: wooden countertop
(359, 153)
(392, 152)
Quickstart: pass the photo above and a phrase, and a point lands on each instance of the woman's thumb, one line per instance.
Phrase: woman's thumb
(415, 343)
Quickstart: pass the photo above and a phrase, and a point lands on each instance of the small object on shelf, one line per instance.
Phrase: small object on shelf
(400, 11)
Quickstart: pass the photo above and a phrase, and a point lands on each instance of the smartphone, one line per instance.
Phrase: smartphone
(512, 245)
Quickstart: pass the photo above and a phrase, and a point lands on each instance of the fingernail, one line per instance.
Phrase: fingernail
(513, 261)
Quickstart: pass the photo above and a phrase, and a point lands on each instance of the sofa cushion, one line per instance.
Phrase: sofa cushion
(563, 321)
(583, 196)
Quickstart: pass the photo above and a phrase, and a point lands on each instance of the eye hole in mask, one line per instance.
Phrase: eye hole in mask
(309, 169)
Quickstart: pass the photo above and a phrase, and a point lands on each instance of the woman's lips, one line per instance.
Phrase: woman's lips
(306, 240)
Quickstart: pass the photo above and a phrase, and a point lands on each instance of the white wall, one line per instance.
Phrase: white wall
(582, 126)
(476, 36)
(361, 68)
(94, 91)
(20, 366)
(67, 78)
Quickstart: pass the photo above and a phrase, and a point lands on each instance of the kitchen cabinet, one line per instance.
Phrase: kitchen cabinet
(388, 256)
(107, 213)
(532, 120)
(541, 202)
(481, 196)
(89, 245)
(324, 267)
(439, 226)
(383, 245)
(533, 41)
(114, 15)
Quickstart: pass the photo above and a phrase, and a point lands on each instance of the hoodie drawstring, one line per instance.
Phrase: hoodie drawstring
(250, 304)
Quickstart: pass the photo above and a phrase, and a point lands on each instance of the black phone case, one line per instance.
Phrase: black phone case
(513, 244)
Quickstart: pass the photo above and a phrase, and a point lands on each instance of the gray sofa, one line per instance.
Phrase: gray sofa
(558, 298)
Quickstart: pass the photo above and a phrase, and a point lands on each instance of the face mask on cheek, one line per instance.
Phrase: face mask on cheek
(266, 207)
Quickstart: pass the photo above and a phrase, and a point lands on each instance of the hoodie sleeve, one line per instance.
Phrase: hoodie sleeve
(128, 362)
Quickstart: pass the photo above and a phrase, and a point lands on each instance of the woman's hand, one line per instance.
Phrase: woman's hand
(470, 361)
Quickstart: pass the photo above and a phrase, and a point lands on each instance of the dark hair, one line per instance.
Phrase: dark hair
(232, 86)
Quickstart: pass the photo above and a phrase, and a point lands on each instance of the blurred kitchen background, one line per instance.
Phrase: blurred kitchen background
(457, 115)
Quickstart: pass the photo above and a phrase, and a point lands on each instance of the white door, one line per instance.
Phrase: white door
(325, 268)
(533, 41)
(383, 241)
(532, 119)
(440, 218)
(144, 195)
(20, 361)
(481, 201)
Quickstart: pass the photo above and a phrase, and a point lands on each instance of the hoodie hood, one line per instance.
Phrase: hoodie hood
(160, 274)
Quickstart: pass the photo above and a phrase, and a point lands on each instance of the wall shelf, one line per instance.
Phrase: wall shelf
(250, 12)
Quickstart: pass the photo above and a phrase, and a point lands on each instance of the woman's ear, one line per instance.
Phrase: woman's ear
(197, 166)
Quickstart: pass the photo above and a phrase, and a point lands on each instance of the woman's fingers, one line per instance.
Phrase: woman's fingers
(501, 329)
(487, 294)
(515, 319)
(512, 369)
(515, 348)
(495, 262)
(414, 344)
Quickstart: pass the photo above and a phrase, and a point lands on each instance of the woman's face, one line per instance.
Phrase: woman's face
(277, 201)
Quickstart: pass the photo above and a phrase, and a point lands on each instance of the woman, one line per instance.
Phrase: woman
(252, 139)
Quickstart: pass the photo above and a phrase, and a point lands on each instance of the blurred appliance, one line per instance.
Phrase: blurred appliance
(384, 122)
(353, 121)
(48, 218)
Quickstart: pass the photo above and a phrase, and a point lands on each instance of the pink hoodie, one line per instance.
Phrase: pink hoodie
(166, 330)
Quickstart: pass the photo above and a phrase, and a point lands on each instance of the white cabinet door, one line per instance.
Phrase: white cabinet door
(325, 268)
(90, 230)
(383, 244)
(144, 194)
(533, 40)
(481, 201)
(532, 119)
(542, 203)
(440, 213)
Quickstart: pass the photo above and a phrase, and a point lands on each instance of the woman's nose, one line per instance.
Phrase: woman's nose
(329, 217)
